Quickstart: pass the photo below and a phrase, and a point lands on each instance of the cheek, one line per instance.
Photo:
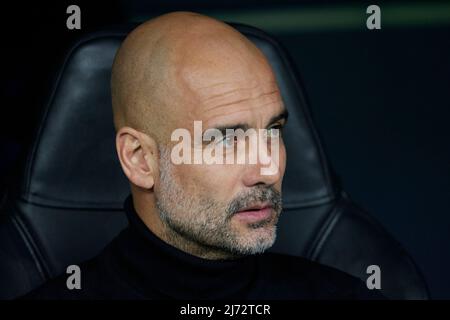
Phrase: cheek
(215, 181)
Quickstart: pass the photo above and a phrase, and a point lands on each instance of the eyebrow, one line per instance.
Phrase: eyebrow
(223, 129)
(284, 115)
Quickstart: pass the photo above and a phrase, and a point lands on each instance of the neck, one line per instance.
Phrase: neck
(152, 219)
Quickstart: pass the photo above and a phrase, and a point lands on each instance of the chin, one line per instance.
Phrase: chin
(257, 241)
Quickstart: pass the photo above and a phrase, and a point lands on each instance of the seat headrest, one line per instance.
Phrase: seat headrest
(73, 162)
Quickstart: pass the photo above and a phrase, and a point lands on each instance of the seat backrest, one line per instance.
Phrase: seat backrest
(68, 206)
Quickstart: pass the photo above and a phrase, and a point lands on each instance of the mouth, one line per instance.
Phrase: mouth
(255, 212)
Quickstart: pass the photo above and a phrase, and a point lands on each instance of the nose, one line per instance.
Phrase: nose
(268, 169)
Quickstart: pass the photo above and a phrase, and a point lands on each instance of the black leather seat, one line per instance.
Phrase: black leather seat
(69, 205)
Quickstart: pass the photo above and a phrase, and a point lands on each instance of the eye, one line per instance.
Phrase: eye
(229, 141)
(275, 131)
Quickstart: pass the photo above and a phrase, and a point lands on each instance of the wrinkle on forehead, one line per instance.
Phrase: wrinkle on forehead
(265, 92)
(256, 116)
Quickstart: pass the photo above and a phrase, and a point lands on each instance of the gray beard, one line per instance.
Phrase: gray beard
(207, 223)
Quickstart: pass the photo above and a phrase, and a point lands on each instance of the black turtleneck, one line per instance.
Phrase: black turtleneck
(139, 265)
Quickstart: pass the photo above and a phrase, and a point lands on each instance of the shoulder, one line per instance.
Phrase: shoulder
(317, 280)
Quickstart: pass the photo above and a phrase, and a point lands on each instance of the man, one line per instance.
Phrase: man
(198, 230)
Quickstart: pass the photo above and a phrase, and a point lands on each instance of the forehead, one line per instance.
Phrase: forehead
(238, 92)
(223, 77)
(247, 102)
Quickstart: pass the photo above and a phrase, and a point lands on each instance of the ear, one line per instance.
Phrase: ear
(138, 156)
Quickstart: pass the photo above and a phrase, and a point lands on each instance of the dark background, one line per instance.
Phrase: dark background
(380, 98)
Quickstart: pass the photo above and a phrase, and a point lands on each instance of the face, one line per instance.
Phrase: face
(229, 207)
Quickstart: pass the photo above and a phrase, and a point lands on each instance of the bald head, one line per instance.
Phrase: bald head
(169, 66)
(171, 73)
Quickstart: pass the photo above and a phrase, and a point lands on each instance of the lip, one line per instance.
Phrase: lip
(255, 213)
